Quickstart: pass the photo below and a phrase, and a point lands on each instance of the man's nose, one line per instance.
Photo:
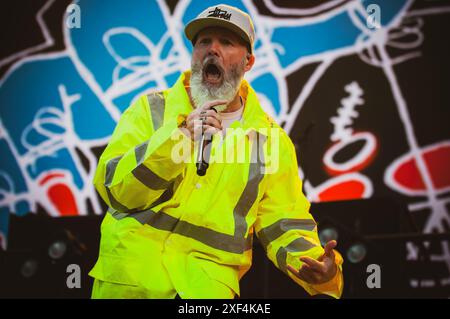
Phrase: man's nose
(214, 48)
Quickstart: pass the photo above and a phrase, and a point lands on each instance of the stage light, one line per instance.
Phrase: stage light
(327, 234)
(57, 249)
(29, 268)
(356, 253)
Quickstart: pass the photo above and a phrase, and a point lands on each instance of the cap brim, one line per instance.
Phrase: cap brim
(195, 26)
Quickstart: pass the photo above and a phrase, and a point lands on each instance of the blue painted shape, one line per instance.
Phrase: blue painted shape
(336, 32)
(299, 41)
(137, 23)
(22, 208)
(267, 84)
(90, 119)
(124, 101)
(54, 73)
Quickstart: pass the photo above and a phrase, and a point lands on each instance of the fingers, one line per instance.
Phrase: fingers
(200, 121)
(210, 130)
(208, 105)
(313, 264)
(211, 118)
(207, 115)
(199, 127)
(305, 273)
(292, 269)
(317, 271)
(205, 120)
(329, 248)
(198, 114)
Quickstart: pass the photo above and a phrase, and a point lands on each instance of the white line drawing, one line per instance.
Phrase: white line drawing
(404, 33)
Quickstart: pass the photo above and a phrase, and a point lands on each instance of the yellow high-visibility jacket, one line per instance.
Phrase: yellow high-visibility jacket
(162, 214)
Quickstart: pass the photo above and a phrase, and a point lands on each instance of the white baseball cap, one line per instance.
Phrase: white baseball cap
(225, 16)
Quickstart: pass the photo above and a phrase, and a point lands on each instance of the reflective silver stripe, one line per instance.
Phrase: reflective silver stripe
(116, 214)
(250, 193)
(299, 244)
(236, 243)
(145, 175)
(139, 152)
(110, 171)
(141, 172)
(272, 232)
(115, 203)
(212, 238)
(165, 196)
(157, 106)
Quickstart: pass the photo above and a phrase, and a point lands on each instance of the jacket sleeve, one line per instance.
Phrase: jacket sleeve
(137, 165)
(284, 225)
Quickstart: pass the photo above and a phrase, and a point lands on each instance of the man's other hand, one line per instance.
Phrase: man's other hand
(317, 271)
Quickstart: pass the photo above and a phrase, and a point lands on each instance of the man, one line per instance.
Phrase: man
(170, 231)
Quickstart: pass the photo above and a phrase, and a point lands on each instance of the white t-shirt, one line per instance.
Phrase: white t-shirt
(230, 117)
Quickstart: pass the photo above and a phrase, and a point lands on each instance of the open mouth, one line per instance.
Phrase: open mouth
(212, 73)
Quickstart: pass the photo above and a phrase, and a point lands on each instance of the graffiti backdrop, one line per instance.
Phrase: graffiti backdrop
(365, 101)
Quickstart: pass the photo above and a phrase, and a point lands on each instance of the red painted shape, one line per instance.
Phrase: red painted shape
(343, 191)
(407, 175)
(61, 196)
(437, 160)
(49, 177)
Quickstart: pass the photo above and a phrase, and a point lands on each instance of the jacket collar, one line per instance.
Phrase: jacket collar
(253, 117)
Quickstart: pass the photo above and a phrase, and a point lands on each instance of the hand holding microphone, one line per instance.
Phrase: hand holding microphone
(202, 124)
(205, 119)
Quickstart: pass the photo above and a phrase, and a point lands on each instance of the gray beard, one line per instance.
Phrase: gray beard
(202, 93)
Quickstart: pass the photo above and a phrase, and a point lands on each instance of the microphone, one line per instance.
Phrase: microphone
(204, 148)
(204, 152)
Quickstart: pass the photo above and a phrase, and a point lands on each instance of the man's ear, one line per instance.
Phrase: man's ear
(250, 61)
